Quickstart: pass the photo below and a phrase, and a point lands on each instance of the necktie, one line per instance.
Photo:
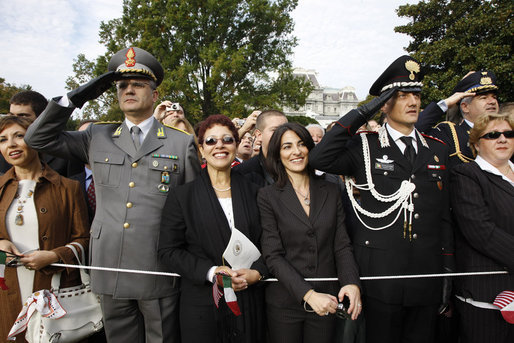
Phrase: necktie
(91, 196)
(136, 132)
(409, 152)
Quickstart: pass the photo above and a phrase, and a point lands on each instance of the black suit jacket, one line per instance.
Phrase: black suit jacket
(195, 232)
(483, 205)
(297, 246)
(254, 170)
(387, 252)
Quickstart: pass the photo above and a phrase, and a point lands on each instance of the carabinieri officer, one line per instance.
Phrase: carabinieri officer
(134, 165)
(404, 222)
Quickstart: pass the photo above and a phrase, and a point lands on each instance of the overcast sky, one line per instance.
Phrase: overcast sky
(348, 43)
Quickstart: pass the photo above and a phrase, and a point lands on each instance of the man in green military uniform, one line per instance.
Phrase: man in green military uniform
(134, 165)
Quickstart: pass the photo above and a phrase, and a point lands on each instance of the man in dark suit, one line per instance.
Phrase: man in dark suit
(404, 222)
(134, 164)
(30, 104)
(253, 169)
(85, 177)
(474, 95)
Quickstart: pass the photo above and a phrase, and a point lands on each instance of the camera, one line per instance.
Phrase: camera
(174, 107)
(342, 309)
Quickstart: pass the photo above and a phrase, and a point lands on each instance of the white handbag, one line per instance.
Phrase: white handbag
(83, 315)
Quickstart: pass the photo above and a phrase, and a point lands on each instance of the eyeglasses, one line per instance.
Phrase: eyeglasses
(122, 85)
(226, 140)
(497, 134)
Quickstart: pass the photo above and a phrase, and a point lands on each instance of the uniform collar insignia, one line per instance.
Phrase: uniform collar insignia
(160, 132)
(383, 137)
(117, 133)
(422, 139)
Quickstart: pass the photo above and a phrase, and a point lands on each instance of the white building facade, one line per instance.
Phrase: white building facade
(324, 104)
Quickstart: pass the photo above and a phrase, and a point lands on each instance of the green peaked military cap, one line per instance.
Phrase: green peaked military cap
(136, 62)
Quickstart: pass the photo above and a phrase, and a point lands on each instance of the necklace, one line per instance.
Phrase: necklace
(18, 220)
(306, 199)
(222, 190)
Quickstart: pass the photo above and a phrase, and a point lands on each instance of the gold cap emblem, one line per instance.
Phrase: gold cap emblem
(485, 80)
(413, 67)
(130, 61)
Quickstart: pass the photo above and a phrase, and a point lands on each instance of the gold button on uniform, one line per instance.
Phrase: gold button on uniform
(165, 168)
(132, 184)
(106, 159)
(134, 165)
(129, 205)
(126, 225)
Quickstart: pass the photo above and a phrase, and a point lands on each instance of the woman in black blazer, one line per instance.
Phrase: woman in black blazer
(483, 205)
(196, 227)
(304, 236)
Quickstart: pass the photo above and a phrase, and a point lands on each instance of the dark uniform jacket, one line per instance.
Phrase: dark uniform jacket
(388, 252)
(129, 195)
(483, 204)
(458, 146)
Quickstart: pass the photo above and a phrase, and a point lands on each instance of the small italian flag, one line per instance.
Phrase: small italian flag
(230, 295)
(2, 270)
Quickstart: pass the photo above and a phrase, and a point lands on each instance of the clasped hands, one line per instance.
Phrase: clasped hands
(323, 303)
(33, 260)
(241, 278)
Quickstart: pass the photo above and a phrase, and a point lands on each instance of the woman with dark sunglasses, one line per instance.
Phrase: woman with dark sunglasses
(304, 236)
(197, 222)
(483, 206)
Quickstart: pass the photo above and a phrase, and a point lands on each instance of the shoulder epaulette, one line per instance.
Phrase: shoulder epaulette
(107, 122)
(174, 128)
(435, 139)
(359, 132)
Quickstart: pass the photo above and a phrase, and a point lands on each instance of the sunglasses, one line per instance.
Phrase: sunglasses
(497, 134)
(226, 140)
(135, 84)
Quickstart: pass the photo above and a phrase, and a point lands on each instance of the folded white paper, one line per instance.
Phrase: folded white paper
(240, 251)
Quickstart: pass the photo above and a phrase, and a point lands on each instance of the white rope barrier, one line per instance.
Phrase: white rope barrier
(364, 278)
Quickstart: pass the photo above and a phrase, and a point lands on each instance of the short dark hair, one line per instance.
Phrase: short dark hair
(259, 124)
(274, 163)
(217, 119)
(36, 100)
(6, 121)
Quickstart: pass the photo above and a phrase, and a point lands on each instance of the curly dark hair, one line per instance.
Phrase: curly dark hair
(217, 119)
(274, 163)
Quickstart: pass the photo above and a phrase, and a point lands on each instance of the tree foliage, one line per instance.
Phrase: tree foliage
(303, 120)
(452, 37)
(219, 56)
(7, 90)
